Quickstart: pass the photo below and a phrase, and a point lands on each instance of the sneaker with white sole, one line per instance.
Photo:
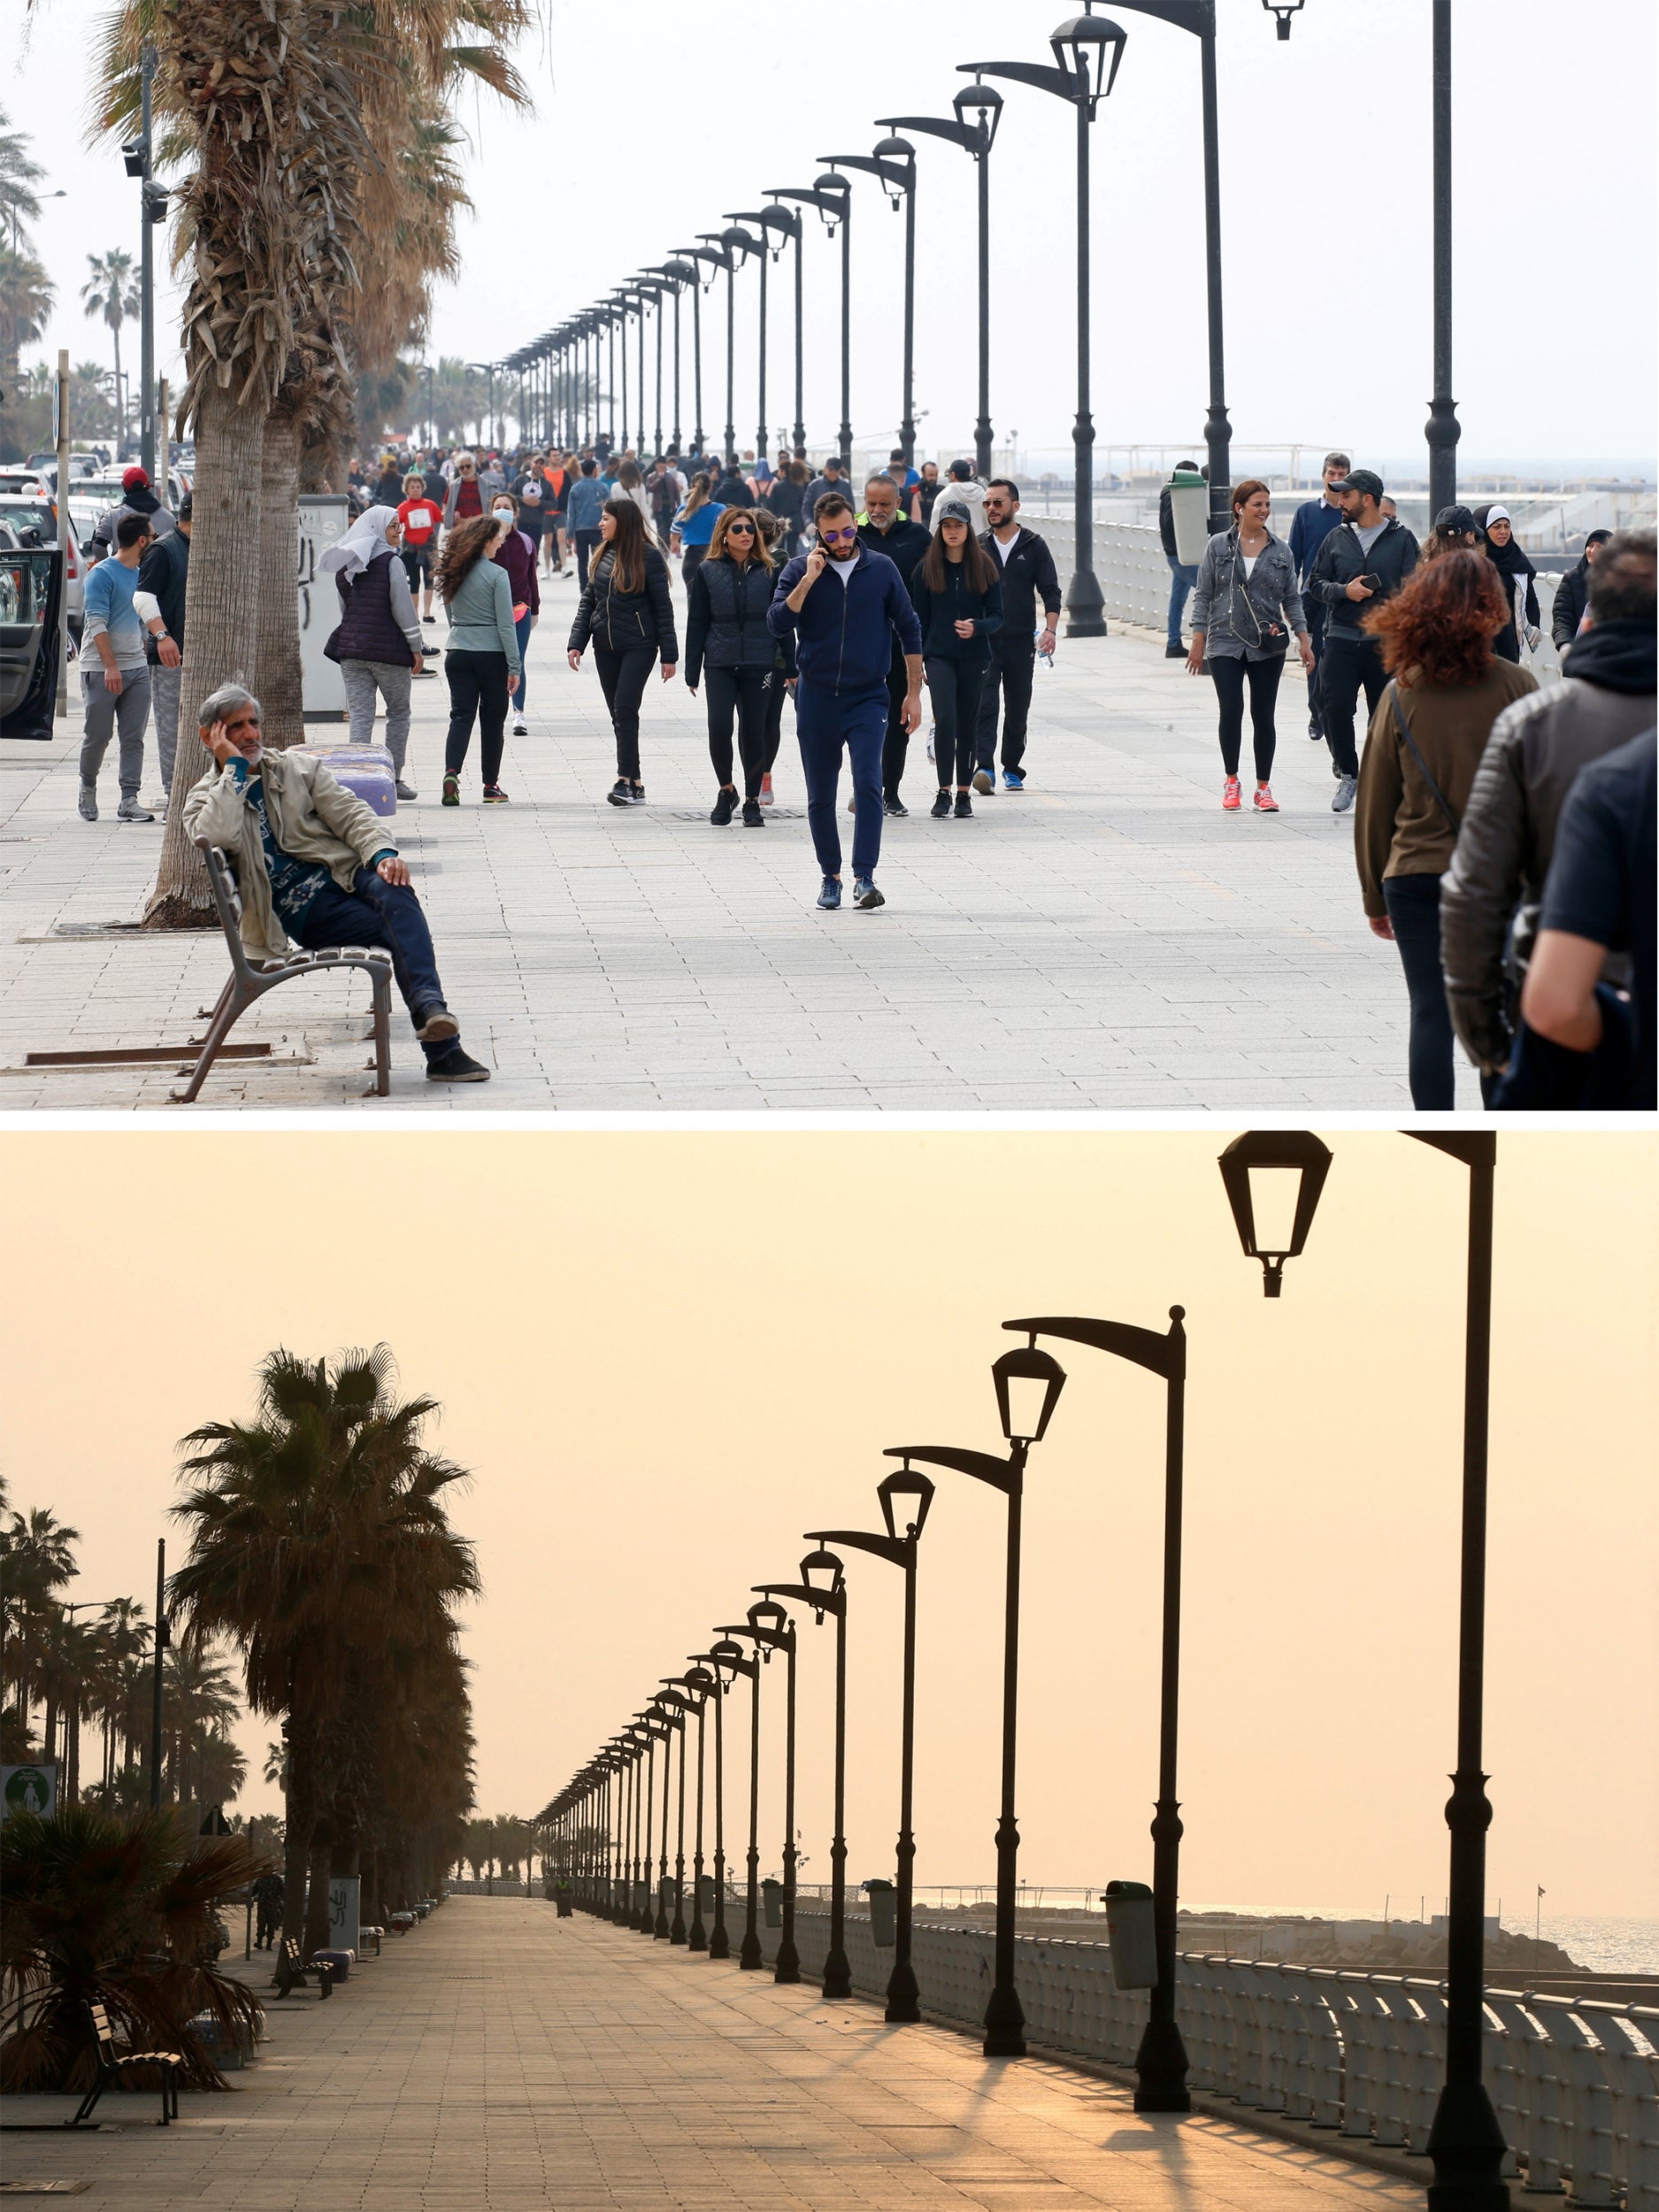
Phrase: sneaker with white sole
(87, 804)
(1231, 794)
(864, 892)
(1264, 801)
(133, 809)
(1346, 788)
(984, 782)
(520, 727)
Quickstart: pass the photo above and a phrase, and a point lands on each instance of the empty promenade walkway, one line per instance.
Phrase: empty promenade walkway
(498, 2058)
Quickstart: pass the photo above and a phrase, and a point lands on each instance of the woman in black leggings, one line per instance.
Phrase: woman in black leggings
(727, 636)
(958, 596)
(1246, 608)
(627, 616)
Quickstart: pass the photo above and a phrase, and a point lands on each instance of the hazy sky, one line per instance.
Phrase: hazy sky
(635, 148)
(667, 1356)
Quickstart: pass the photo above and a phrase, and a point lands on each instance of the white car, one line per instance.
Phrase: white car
(32, 519)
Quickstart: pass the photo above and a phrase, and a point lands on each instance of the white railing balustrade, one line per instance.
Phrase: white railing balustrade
(1575, 2085)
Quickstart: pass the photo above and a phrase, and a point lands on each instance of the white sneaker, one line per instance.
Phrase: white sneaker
(520, 727)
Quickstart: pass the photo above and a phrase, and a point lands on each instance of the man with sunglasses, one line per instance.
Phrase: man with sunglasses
(845, 602)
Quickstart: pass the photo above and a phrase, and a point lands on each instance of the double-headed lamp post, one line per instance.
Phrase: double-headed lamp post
(892, 165)
(773, 1630)
(728, 1661)
(1161, 2061)
(984, 102)
(788, 225)
(905, 1497)
(1087, 49)
(1028, 1385)
(823, 1586)
(1273, 1181)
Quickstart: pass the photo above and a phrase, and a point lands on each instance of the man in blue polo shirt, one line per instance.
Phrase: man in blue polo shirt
(846, 603)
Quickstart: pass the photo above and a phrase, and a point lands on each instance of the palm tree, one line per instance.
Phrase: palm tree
(111, 291)
(320, 1546)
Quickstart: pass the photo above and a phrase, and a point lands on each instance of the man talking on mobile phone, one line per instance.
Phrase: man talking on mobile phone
(846, 603)
(1364, 561)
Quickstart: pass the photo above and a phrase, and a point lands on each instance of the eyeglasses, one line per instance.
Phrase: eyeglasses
(837, 537)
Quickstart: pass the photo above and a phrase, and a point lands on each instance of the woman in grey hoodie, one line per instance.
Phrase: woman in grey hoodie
(1246, 609)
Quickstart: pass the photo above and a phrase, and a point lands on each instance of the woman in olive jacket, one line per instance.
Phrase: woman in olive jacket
(1438, 637)
(627, 617)
(1246, 610)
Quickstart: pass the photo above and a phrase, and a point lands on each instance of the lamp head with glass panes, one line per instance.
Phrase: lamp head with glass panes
(1273, 1178)
(1028, 1385)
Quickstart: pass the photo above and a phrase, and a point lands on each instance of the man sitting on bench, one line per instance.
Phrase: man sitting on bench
(313, 864)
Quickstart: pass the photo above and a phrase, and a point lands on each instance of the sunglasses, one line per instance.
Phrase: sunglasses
(837, 537)
(739, 529)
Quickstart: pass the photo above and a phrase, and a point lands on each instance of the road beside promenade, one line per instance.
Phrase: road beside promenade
(1108, 940)
(499, 2059)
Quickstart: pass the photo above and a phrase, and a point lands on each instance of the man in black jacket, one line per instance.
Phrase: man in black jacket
(1573, 593)
(162, 573)
(1365, 560)
(904, 543)
(1028, 575)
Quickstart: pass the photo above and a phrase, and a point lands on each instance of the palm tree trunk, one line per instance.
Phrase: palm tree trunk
(227, 544)
(316, 1936)
(276, 612)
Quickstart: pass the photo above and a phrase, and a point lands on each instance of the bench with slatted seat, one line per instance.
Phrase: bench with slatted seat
(246, 983)
(293, 1973)
(113, 2064)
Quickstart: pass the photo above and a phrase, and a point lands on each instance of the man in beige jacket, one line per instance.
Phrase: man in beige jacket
(312, 863)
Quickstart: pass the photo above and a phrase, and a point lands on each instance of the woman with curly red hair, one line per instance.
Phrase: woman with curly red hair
(1425, 743)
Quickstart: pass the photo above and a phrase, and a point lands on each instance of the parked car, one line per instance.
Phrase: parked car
(34, 522)
(103, 491)
(31, 591)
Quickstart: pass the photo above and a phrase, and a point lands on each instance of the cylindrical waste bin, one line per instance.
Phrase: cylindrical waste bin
(705, 1894)
(883, 1914)
(1132, 1936)
(771, 1893)
(1189, 511)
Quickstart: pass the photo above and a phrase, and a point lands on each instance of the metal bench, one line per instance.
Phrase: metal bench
(292, 1973)
(112, 2064)
(246, 983)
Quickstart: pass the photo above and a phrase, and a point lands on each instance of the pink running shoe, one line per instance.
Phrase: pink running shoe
(1265, 802)
(1231, 795)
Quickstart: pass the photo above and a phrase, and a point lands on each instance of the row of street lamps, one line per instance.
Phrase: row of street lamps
(603, 1825)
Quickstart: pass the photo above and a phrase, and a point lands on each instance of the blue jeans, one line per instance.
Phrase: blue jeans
(1181, 582)
(825, 721)
(375, 912)
(522, 629)
(1414, 908)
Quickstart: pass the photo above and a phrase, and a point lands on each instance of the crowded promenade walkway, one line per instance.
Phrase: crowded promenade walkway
(499, 2059)
(1109, 939)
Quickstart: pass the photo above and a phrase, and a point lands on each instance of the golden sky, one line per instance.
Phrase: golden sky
(665, 1354)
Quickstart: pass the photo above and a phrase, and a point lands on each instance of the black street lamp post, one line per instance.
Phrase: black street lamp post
(677, 1926)
(672, 1719)
(832, 196)
(727, 240)
(678, 274)
(894, 165)
(728, 1661)
(1465, 2143)
(1087, 52)
(904, 1993)
(829, 1595)
(773, 1630)
(743, 246)
(718, 260)
(788, 225)
(977, 137)
(1161, 2062)
(642, 1922)
(700, 1682)
(749, 1956)
(1028, 1384)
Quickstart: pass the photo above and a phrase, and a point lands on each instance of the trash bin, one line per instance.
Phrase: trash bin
(883, 1914)
(1189, 511)
(771, 1893)
(1133, 1938)
(705, 1894)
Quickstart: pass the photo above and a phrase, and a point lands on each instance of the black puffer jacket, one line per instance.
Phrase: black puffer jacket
(726, 617)
(625, 620)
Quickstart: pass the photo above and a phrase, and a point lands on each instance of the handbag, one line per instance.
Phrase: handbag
(1262, 637)
(1440, 799)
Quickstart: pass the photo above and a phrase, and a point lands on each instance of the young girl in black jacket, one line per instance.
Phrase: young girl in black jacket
(627, 617)
(958, 596)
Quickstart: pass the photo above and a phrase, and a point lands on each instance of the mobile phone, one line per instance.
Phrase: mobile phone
(1371, 583)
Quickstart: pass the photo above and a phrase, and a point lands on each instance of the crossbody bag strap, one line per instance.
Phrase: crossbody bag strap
(1440, 799)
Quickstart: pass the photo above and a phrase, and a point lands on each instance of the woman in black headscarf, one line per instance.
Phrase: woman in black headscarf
(1518, 572)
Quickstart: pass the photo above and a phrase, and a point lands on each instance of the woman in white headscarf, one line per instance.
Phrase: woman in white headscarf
(1516, 572)
(378, 644)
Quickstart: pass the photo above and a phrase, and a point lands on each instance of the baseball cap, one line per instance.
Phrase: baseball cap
(1361, 480)
(1457, 519)
(952, 510)
(132, 479)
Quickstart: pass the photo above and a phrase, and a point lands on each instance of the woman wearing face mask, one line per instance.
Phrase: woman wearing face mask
(1246, 610)
(1515, 573)
(957, 594)
(727, 634)
(483, 662)
(515, 551)
(627, 617)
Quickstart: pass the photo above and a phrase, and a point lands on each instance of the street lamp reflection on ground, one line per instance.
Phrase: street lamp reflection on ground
(1465, 2143)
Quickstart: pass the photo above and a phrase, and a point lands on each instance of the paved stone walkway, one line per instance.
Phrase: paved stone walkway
(499, 2059)
(1108, 940)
